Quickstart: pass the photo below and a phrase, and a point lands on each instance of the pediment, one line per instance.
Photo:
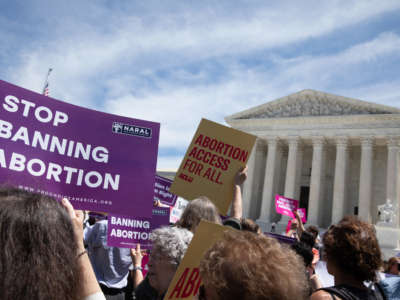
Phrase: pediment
(310, 103)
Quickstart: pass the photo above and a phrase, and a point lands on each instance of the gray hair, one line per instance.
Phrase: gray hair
(170, 243)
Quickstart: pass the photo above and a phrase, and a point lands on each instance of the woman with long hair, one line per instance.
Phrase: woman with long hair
(42, 255)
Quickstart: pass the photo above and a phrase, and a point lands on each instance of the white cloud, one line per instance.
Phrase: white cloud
(179, 109)
(311, 71)
(86, 51)
(169, 163)
(114, 60)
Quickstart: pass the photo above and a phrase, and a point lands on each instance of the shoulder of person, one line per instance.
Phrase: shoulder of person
(323, 295)
(233, 222)
(95, 296)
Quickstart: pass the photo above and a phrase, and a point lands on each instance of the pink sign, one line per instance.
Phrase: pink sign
(145, 260)
(302, 214)
(286, 206)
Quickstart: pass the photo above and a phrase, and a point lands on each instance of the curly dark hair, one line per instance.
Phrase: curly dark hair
(247, 266)
(304, 251)
(313, 230)
(353, 247)
(37, 248)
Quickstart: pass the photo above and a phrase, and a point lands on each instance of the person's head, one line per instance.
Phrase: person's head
(351, 247)
(250, 225)
(393, 266)
(169, 247)
(314, 231)
(243, 265)
(199, 209)
(37, 248)
(308, 239)
(304, 251)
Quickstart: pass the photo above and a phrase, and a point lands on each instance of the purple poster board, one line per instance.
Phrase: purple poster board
(161, 191)
(99, 161)
(127, 232)
(281, 238)
(286, 206)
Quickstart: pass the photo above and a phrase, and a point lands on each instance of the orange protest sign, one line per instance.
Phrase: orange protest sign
(211, 162)
(186, 281)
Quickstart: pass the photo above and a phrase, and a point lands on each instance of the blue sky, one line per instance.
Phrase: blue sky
(175, 62)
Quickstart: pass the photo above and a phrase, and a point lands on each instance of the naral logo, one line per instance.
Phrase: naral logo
(131, 130)
(159, 212)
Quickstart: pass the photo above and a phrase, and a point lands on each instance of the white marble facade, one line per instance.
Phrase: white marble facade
(338, 155)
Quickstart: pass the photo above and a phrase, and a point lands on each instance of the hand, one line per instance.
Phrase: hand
(241, 176)
(136, 256)
(157, 203)
(77, 222)
(294, 224)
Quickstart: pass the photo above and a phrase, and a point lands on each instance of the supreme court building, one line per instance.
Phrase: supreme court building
(338, 156)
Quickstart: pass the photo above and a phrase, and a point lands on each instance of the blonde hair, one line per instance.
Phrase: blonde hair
(199, 209)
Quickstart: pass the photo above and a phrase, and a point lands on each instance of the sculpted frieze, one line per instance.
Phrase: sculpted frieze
(312, 106)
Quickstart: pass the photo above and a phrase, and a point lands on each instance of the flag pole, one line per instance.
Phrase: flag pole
(46, 83)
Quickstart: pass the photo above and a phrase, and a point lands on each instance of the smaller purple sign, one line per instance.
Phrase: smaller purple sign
(161, 191)
(281, 238)
(127, 232)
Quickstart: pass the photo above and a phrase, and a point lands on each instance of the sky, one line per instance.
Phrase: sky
(175, 62)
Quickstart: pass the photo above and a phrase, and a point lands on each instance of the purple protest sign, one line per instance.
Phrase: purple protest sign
(99, 161)
(126, 232)
(286, 206)
(281, 238)
(161, 191)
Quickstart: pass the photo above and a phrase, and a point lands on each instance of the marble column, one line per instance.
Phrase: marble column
(365, 191)
(291, 184)
(317, 180)
(398, 191)
(247, 188)
(339, 186)
(393, 173)
(392, 170)
(270, 180)
(292, 169)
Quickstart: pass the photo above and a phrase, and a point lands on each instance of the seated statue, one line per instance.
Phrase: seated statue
(387, 212)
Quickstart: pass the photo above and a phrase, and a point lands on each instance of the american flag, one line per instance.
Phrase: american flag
(46, 84)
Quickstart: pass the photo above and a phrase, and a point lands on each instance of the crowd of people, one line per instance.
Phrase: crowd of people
(46, 252)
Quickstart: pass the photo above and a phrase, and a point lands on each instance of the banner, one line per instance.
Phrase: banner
(283, 239)
(285, 206)
(186, 281)
(100, 162)
(161, 191)
(302, 213)
(127, 232)
(212, 160)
